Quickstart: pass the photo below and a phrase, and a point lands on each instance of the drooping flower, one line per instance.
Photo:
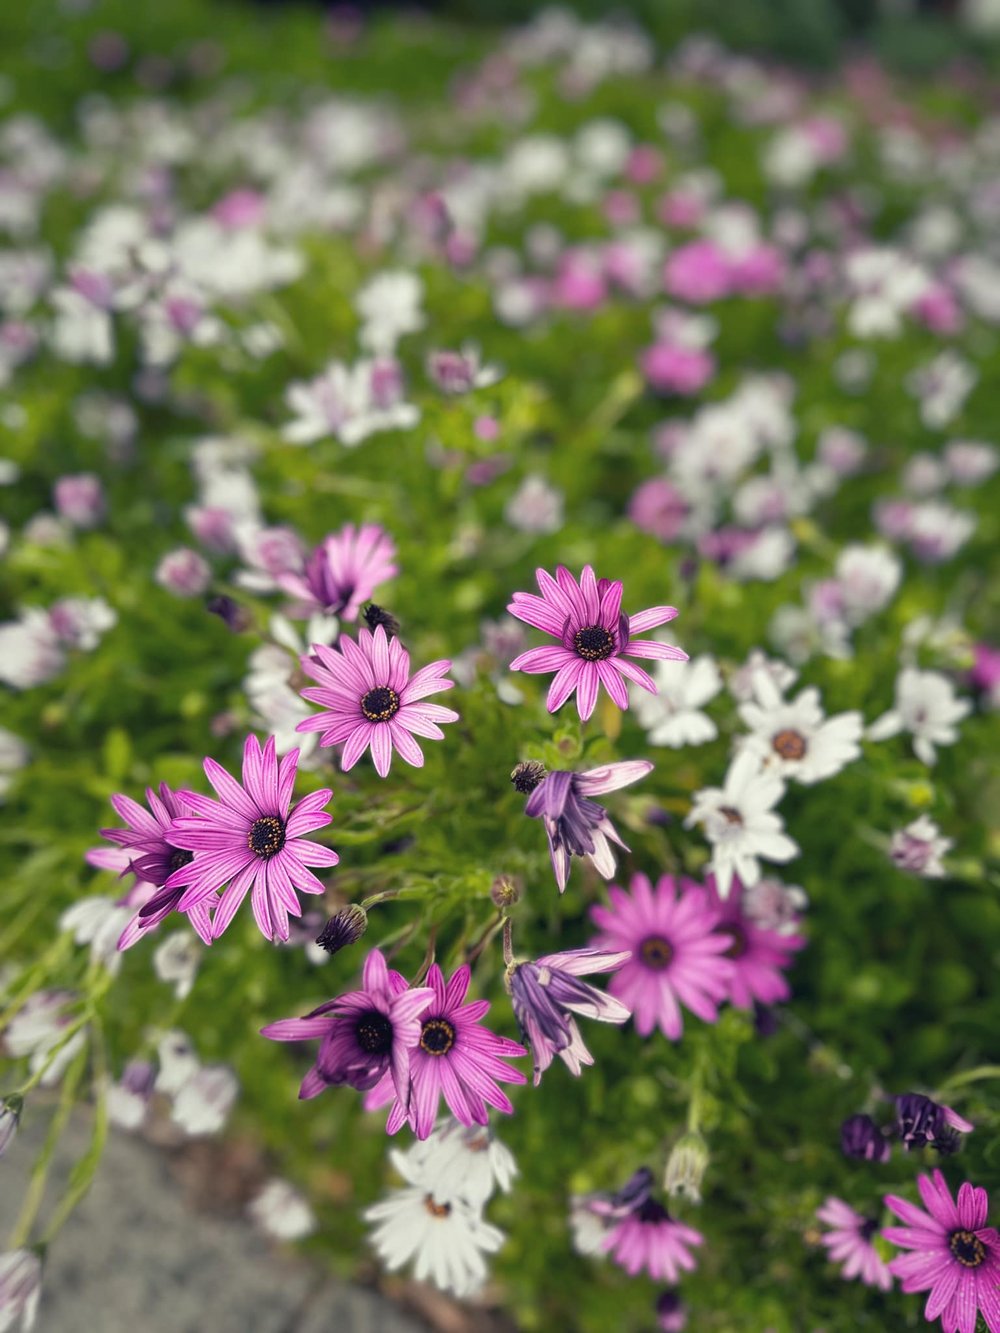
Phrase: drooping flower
(252, 840)
(547, 994)
(649, 1240)
(591, 1216)
(369, 699)
(342, 572)
(574, 824)
(758, 956)
(955, 1256)
(595, 638)
(919, 848)
(848, 1242)
(364, 1033)
(676, 955)
(927, 708)
(454, 1057)
(740, 822)
(863, 1141)
(921, 1121)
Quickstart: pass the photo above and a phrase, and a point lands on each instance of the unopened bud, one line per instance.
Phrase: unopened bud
(238, 618)
(686, 1167)
(10, 1115)
(376, 615)
(344, 927)
(505, 891)
(527, 775)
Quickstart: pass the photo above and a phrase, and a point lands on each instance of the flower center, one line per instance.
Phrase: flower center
(437, 1036)
(656, 952)
(380, 704)
(967, 1248)
(594, 643)
(730, 814)
(738, 939)
(868, 1228)
(180, 856)
(436, 1209)
(374, 1033)
(789, 744)
(266, 837)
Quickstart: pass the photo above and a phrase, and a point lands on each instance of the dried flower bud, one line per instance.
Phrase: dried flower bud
(686, 1167)
(505, 891)
(376, 615)
(344, 927)
(527, 775)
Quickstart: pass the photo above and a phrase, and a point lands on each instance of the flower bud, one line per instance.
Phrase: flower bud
(10, 1115)
(505, 891)
(527, 775)
(686, 1167)
(344, 927)
(376, 615)
(236, 617)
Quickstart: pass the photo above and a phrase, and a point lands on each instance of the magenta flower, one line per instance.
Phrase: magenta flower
(649, 1240)
(342, 572)
(849, 1243)
(955, 1255)
(253, 841)
(455, 1057)
(595, 638)
(758, 956)
(369, 699)
(574, 824)
(676, 956)
(547, 993)
(364, 1034)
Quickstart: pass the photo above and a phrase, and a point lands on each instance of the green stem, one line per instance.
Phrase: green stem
(968, 1076)
(82, 1176)
(43, 1069)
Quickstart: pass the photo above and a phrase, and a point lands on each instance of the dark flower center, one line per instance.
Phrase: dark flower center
(789, 744)
(437, 1036)
(651, 1211)
(180, 856)
(594, 643)
(380, 704)
(730, 814)
(436, 1209)
(868, 1228)
(738, 939)
(967, 1248)
(266, 837)
(656, 952)
(374, 1033)
(527, 775)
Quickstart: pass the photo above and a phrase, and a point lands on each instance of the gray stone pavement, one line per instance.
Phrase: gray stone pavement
(136, 1258)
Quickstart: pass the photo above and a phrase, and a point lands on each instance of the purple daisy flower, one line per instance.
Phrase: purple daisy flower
(676, 956)
(649, 1240)
(955, 1255)
(364, 1034)
(547, 993)
(455, 1057)
(574, 824)
(251, 839)
(342, 572)
(849, 1243)
(921, 1121)
(758, 956)
(369, 699)
(595, 638)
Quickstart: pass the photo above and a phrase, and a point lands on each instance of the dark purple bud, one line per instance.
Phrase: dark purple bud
(671, 1316)
(629, 1199)
(238, 618)
(344, 927)
(861, 1139)
(377, 615)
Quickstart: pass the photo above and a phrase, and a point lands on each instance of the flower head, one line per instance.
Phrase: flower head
(862, 1140)
(849, 1243)
(364, 1034)
(954, 1256)
(342, 572)
(454, 1057)
(927, 708)
(575, 825)
(649, 1240)
(369, 699)
(252, 839)
(793, 739)
(20, 1288)
(595, 638)
(759, 956)
(676, 955)
(547, 994)
(921, 1121)
(919, 848)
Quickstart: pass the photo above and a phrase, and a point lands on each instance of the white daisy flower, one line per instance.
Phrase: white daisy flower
(463, 1161)
(919, 848)
(203, 1103)
(793, 739)
(926, 707)
(282, 1212)
(741, 682)
(673, 716)
(740, 823)
(98, 921)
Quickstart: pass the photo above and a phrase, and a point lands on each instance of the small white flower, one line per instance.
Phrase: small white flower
(740, 823)
(673, 715)
(176, 960)
(30, 650)
(389, 306)
(466, 1162)
(535, 507)
(203, 1103)
(282, 1212)
(177, 1060)
(926, 707)
(867, 577)
(741, 682)
(793, 739)
(128, 1099)
(98, 921)
(772, 905)
(919, 848)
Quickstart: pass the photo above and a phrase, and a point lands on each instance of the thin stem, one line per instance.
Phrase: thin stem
(82, 1176)
(508, 942)
(476, 949)
(425, 966)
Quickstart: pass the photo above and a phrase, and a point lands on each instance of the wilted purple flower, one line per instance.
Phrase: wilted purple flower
(921, 1121)
(650, 1240)
(574, 824)
(862, 1139)
(671, 1316)
(547, 993)
(20, 1287)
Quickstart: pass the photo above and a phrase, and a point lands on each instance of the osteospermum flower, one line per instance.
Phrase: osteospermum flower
(921, 1121)
(574, 824)
(676, 956)
(758, 956)
(649, 1240)
(364, 1034)
(794, 739)
(547, 993)
(252, 840)
(369, 699)
(455, 1057)
(848, 1242)
(343, 571)
(955, 1256)
(595, 638)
